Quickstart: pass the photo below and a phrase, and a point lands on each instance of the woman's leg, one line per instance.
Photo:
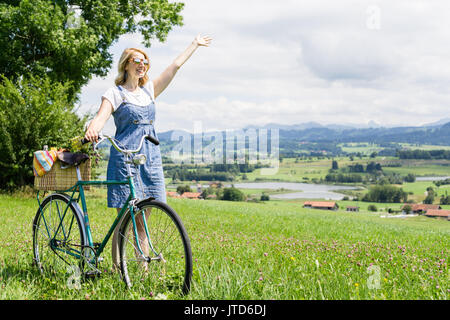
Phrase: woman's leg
(115, 245)
(143, 242)
(140, 226)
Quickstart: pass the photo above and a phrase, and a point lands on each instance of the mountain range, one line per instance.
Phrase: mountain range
(437, 133)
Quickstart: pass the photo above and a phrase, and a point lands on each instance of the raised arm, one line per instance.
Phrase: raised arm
(162, 81)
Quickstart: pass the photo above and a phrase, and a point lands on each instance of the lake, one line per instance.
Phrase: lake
(304, 190)
(308, 191)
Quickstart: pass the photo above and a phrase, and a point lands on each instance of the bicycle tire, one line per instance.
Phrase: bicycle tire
(55, 249)
(170, 267)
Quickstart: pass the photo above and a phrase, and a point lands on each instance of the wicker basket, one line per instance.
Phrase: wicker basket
(62, 179)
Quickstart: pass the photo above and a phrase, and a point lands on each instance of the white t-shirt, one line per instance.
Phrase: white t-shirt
(138, 97)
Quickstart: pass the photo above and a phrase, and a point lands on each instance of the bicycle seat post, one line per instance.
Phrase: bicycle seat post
(78, 173)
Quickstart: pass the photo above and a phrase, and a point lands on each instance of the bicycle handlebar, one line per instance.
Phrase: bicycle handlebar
(112, 140)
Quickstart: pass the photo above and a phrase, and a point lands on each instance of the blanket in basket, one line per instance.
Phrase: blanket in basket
(43, 161)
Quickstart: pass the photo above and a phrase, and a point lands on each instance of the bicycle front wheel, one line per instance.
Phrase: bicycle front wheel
(159, 258)
(58, 236)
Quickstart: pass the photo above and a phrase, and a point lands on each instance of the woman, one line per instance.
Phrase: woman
(132, 104)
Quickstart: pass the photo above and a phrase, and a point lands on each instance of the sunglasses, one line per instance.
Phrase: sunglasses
(138, 61)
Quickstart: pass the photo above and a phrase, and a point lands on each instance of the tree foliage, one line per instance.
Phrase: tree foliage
(232, 194)
(385, 193)
(39, 37)
(429, 199)
(50, 50)
(33, 112)
(183, 189)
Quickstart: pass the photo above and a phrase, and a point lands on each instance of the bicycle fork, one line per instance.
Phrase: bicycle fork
(134, 215)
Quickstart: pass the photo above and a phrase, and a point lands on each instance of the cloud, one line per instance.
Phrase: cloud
(291, 62)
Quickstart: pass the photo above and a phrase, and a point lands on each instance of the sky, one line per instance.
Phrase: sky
(292, 61)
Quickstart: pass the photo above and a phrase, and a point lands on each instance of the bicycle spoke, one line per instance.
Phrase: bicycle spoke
(57, 235)
(166, 267)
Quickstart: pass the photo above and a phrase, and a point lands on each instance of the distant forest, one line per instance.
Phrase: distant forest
(324, 141)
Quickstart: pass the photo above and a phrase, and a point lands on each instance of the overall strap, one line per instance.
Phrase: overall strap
(122, 94)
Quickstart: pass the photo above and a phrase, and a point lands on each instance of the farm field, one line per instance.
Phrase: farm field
(268, 250)
(293, 170)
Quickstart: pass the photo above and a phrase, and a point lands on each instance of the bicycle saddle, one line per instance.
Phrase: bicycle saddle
(69, 159)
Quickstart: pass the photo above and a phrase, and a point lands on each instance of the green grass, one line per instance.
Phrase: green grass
(290, 170)
(423, 146)
(271, 250)
(420, 168)
(363, 148)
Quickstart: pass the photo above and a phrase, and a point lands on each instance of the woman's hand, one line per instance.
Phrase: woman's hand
(202, 41)
(97, 124)
(162, 81)
(91, 135)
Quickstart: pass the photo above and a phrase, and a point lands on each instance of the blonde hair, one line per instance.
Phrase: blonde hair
(122, 76)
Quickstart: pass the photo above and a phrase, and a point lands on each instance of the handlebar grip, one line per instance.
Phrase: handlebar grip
(84, 140)
(152, 140)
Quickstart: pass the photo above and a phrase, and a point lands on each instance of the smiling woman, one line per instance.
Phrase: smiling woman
(130, 62)
(132, 103)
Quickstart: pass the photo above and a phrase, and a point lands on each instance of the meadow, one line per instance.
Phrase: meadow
(267, 250)
(306, 170)
(264, 250)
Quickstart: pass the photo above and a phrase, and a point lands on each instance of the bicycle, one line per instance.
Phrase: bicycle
(158, 257)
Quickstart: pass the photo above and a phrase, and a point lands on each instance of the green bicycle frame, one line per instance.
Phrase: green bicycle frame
(78, 187)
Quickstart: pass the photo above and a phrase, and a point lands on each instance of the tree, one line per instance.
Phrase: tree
(206, 192)
(385, 193)
(444, 199)
(429, 199)
(48, 54)
(265, 197)
(372, 167)
(183, 189)
(407, 208)
(410, 177)
(33, 113)
(232, 194)
(39, 37)
(334, 165)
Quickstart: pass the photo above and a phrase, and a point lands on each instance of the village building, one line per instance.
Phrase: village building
(185, 195)
(173, 194)
(324, 205)
(191, 195)
(421, 208)
(438, 213)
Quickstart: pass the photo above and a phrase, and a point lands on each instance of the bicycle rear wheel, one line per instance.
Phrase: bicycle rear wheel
(58, 236)
(167, 260)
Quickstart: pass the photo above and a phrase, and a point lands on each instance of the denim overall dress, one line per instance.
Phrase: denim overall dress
(132, 122)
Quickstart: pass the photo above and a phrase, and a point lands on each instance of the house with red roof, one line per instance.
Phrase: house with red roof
(191, 195)
(438, 213)
(324, 205)
(173, 194)
(421, 208)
